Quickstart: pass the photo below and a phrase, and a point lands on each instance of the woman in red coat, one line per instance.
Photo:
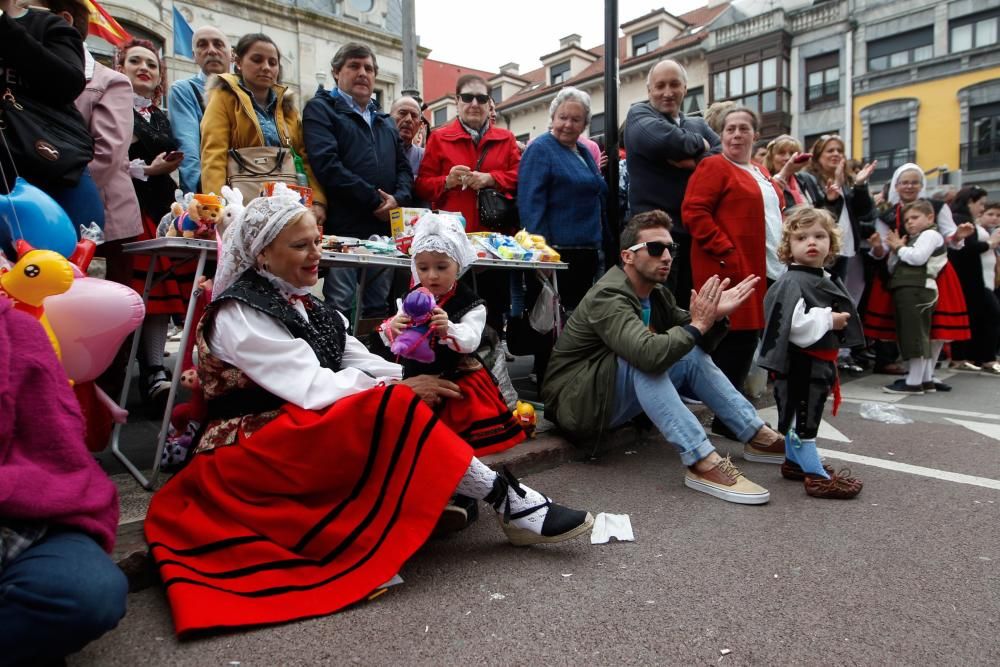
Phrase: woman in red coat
(733, 212)
(451, 175)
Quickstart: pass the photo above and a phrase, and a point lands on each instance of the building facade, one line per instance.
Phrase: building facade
(523, 99)
(927, 88)
(307, 32)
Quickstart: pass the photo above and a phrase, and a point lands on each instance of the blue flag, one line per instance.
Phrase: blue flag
(182, 36)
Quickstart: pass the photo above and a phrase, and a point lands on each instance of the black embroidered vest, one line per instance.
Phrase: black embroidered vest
(324, 331)
(446, 360)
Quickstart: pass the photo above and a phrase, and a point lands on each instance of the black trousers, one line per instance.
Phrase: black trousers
(679, 282)
(801, 394)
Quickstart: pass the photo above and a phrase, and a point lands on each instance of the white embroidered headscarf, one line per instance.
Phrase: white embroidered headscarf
(444, 234)
(909, 166)
(261, 222)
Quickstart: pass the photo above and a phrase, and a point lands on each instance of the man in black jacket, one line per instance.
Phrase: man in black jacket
(664, 147)
(358, 158)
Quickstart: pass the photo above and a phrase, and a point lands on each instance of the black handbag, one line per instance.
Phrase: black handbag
(49, 145)
(497, 211)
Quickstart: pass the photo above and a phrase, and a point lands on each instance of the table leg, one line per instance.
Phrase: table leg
(176, 379)
(123, 399)
(358, 299)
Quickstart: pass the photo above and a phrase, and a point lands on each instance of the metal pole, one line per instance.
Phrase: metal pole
(410, 84)
(611, 115)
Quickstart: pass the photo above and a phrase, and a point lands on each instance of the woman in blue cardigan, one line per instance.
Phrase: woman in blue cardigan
(561, 195)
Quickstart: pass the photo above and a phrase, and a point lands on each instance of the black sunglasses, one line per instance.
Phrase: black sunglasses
(468, 97)
(656, 248)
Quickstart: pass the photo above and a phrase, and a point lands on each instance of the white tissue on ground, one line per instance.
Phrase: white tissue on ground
(608, 526)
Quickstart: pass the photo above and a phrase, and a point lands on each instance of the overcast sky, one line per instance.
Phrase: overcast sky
(485, 35)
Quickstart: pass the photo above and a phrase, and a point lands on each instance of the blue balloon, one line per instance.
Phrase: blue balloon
(29, 213)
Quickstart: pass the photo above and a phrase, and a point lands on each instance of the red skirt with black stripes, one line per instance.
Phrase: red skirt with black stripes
(308, 515)
(173, 279)
(481, 417)
(949, 322)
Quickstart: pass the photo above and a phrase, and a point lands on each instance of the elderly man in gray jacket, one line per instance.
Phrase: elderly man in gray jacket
(664, 147)
(628, 349)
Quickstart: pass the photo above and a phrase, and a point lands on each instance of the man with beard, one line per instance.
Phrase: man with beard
(627, 349)
(186, 101)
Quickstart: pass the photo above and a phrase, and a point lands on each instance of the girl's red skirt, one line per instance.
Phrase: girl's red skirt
(310, 514)
(481, 417)
(949, 322)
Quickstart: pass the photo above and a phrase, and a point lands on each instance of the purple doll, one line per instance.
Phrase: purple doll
(414, 343)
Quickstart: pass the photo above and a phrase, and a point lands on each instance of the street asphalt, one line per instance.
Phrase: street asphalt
(905, 574)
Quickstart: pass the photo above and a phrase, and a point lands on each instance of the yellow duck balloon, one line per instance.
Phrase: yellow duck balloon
(36, 275)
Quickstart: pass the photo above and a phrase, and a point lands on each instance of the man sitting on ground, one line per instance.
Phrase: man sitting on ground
(628, 349)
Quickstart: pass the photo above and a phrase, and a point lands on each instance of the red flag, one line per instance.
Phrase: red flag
(102, 25)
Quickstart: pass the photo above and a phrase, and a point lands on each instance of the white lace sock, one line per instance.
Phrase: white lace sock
(478, 483)
(918, 366)
(936, 346)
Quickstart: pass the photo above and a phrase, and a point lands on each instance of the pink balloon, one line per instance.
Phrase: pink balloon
(91, 320)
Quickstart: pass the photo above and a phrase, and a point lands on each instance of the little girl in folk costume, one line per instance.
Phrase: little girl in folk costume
(809, 316)
(441, 253)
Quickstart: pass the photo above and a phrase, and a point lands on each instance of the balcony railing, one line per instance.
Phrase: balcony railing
(889, 161)
(984, 154)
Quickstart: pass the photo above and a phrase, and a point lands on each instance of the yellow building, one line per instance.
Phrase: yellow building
(929, 90)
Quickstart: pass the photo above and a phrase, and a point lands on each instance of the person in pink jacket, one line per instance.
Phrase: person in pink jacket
(106, 107)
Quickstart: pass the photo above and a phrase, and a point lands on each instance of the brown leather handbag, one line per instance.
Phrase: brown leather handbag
(249, 168)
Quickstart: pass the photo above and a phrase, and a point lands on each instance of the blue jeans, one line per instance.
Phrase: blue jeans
(57, 596)
(657, 395)
(341, 285)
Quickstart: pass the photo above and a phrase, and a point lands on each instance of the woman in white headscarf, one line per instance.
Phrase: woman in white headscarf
(950, 321)
(319, 472)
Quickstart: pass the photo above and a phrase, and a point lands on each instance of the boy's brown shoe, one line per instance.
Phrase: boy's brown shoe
(792, 470)
(840, 486)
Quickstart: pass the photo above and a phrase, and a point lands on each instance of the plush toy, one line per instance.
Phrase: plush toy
(525, 414)
(185, 420)
(414, 343)
(234, 208)
(37, 275)
(203, 213)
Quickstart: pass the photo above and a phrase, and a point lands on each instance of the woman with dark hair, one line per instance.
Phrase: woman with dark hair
(462, 158)
(154, 156)
(251, 108)
(980, 352)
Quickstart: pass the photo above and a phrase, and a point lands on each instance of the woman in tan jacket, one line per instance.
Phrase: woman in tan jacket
(251, 108)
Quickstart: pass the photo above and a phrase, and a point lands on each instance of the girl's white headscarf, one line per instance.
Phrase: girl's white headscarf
(444, 234)
(909, 166)
(261, 222)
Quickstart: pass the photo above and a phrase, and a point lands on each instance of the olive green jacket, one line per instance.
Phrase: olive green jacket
(580, 379)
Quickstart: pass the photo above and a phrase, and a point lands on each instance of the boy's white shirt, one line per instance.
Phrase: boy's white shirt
(809, 326)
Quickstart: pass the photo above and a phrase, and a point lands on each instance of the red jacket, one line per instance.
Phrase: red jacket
(451, 146)
(724, 211)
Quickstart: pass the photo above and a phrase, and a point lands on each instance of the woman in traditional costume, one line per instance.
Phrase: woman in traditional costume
(319, 472)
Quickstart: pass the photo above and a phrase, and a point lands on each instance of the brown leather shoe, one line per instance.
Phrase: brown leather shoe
(791, 470)
(766, 446)
(840, 486)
